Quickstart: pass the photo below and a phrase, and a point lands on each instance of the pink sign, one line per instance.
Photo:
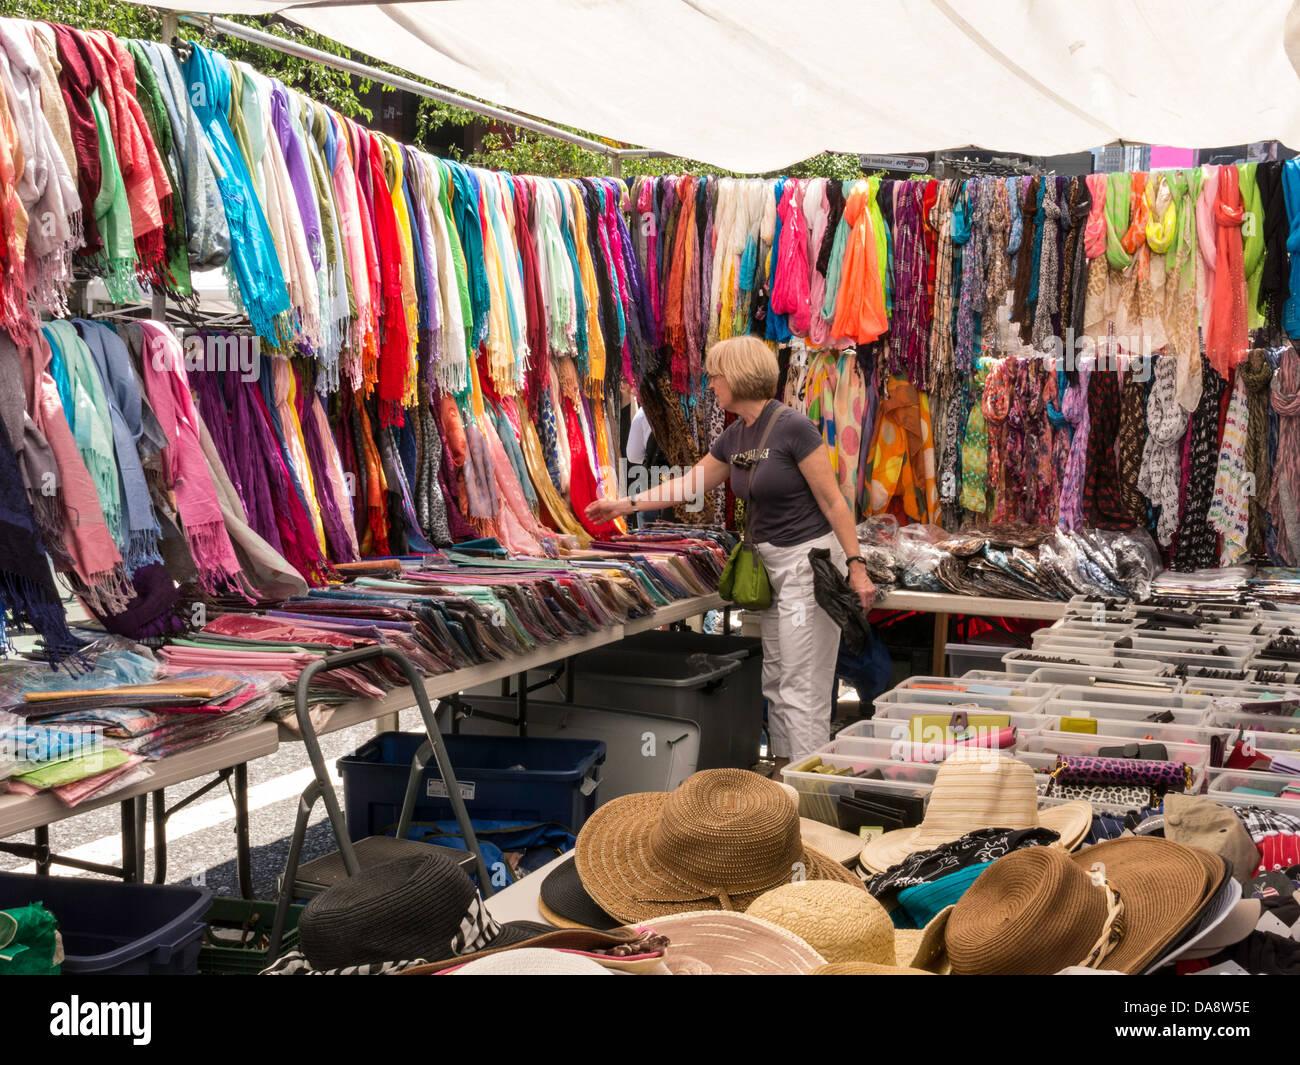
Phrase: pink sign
(1164, 156)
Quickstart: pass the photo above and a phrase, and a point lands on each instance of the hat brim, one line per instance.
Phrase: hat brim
(620, 872)
(565, 902)
(833, 842)
(722, 943)
(521, 934)
(1163, 886)
(1228, 919)
(1072, 821)
(866, 968)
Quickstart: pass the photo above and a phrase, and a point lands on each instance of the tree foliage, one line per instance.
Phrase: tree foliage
(500, 148)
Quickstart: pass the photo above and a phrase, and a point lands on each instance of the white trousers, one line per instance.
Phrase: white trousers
(800, 644)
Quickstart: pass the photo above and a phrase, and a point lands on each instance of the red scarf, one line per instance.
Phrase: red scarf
(1225, 346)
(394, 351)
(76, 80)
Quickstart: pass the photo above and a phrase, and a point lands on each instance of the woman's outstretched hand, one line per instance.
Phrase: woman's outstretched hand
(600, 511)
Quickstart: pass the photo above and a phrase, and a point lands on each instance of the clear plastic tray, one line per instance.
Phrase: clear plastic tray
(1072, 743)
(1019, 698)
(1226, 781)
(819, 792)
(1103, 678)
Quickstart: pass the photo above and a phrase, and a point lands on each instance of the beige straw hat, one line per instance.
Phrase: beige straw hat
(717, 943)
(846, 925)
(1118, 905)
(974, 789)
(719, 841)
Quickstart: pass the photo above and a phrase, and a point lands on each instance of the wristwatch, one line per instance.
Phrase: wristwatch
(855, 558)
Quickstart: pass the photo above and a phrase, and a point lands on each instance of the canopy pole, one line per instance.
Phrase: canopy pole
(361, 70)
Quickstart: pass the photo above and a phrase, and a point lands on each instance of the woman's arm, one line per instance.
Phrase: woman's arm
(816, 469)
(692, 486)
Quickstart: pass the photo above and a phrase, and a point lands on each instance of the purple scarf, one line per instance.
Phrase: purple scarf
(304, 192)
(336, 536)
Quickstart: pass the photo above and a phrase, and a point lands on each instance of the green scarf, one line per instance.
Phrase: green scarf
(1252, 235)
(975, 446)
(149, 96)
(1118, 195)
(113, 217)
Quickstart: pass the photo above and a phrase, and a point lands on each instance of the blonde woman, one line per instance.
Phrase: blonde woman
(794, 506)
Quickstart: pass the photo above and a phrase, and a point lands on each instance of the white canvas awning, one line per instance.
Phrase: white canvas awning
(756, 85)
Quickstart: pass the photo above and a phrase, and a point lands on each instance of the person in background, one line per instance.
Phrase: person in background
(795, 506)
(638, 440)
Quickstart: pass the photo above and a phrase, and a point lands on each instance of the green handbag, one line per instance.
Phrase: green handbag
(744, 579)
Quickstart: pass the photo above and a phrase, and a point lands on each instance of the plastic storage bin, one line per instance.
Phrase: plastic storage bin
(1018, 697)
(663, 673)
(1260, 786)
(502, 778)
(643, 752)
(963, 657)
(819, 792)
(115, 929)
(234, 942)
(1103, 678)
(1195, 755)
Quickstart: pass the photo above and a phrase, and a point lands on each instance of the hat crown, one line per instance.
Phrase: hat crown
(837, 920)
(1033, 911)
(975, 789)
(729, 830)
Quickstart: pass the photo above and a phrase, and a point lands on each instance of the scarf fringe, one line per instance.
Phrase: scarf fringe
(142, 550)
(105, 593)
(49, 527)
(25, 598)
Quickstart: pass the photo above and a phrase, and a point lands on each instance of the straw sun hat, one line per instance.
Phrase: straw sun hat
(849, 927)
(975, 789)
(719, 841)
(1119, 906)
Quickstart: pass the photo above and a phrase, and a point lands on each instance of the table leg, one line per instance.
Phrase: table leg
(939, 659)
(42, 838)
(243, 847)
(141, 834)
(160, 836)
(129, 867)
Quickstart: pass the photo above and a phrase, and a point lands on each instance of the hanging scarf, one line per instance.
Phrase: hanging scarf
(1048, 303)
(1225, 339)
(96, 561)
(996, 403)
(1284, 489)
(1024, 277)
(859, 310)
(902, 482)
(27, 589)
(1158, 478)
(252, 259)
(941, 352)
(1132, 436)
(1257, 374)
(1074, 286)
(790, 274)
(1196, 546)
(1075, 409)
(995, 255)
(48, 190)
(140, 531)
(1274, 284)
(1103, 506)
(1229, 510)
(186, 475)
(1182, 261)
(970, 217)
(15, 314)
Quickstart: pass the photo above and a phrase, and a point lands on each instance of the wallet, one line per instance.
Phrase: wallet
(1154, 752)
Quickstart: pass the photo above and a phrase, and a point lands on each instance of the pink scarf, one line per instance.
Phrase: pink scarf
(183, 464)
(1094, 233)
(97, 563)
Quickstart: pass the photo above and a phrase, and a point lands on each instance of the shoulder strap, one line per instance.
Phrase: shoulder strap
(758, 457)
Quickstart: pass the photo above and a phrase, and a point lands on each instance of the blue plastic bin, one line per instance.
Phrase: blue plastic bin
(503, 778)
(114, 929)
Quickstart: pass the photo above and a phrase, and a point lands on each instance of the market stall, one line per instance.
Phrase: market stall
(1039, 394)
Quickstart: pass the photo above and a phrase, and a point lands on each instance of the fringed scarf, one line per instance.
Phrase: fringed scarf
(1225, 340)
(1284, 491)
(184, 469)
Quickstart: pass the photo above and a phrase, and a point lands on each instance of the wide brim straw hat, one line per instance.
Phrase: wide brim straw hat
(719, 943)
(1118, 906)
(975, 789)
(719, 841)
(850, 926)
(830, 840)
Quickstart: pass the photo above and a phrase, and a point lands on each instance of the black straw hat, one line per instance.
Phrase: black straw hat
(565, 900)
(417, 908)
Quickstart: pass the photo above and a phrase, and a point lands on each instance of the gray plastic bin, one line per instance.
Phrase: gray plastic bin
(648, 672)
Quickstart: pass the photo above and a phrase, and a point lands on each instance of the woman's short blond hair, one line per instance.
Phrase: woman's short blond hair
(748, 365)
